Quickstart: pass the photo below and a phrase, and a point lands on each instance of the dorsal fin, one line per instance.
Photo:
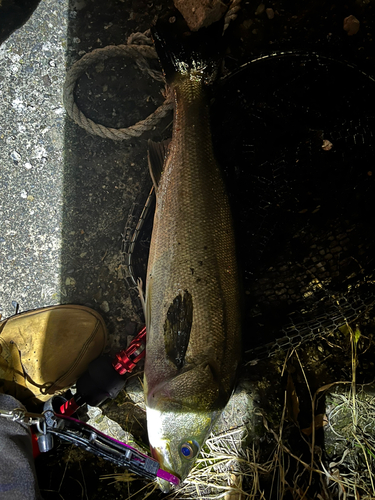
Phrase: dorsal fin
(157, 152)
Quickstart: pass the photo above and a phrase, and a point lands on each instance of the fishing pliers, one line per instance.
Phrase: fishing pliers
(49, 424)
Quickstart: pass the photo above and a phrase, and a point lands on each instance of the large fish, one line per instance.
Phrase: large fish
(192, 302)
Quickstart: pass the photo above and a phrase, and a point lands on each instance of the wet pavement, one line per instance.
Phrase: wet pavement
(66, 194)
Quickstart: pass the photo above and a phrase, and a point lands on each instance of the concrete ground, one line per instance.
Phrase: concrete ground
(65, 195)
(32, 151)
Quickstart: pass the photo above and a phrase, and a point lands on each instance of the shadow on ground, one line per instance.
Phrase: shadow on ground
(102, 181)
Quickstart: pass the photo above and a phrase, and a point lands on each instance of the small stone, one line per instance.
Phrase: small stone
(351, 25)
(16, 157)
(24, 194)
(270, 13)
(260, 9)
(46, 80)
(200, 13)
(28, 165)
(10, 139)
(39, 152)
(247, 23)
(327, 145)
(104, 306)
(70, 281)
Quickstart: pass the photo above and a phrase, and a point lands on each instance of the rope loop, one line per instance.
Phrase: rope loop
(139, 47)
(133, 50)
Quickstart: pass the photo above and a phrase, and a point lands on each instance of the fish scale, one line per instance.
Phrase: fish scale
(192, 247)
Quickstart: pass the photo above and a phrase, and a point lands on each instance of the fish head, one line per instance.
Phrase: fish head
(176, 437)
(180, 416)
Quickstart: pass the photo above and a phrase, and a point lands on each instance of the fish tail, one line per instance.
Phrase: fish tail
(192, 54)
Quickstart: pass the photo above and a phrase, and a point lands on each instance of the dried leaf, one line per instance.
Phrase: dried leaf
(319, 421)
(235, 482)
(292, 401)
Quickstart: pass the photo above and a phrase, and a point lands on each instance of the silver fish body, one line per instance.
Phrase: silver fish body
(192, 292)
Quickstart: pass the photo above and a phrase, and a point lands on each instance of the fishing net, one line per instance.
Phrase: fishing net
(293, 133)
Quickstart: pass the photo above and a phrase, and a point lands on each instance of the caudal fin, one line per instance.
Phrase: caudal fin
(181, 51)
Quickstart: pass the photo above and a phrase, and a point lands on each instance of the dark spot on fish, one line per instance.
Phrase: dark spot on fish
(177, 328)
(192, 270)
(198, 280)
(205, 247)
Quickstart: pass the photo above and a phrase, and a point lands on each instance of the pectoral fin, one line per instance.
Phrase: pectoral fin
(157, 153)
(177, 328)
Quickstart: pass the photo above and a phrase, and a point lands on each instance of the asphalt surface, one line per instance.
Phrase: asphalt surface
(66, 195)
(32, 144)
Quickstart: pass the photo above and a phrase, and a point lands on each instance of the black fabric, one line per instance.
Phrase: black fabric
(17, 471)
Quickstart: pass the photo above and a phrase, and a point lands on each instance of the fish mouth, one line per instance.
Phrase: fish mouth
(164, 485)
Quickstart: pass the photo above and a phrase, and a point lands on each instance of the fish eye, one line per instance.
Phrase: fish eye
(189, 449)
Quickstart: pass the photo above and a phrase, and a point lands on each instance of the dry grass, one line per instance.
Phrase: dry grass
(352, 423)
(234, 466)
(226, 469)
(222, 469)
(351, 473)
